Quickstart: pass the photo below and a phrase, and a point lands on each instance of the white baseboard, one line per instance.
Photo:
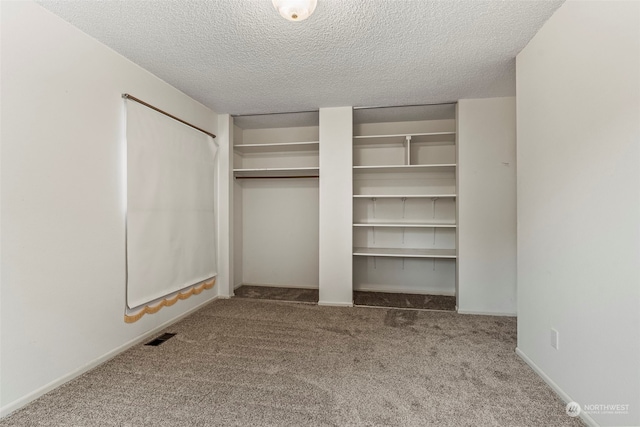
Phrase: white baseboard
(17, 404)
(564, 396)
(336, 304)
(487, 313)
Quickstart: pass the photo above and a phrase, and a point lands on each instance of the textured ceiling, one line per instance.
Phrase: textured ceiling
(241, 56)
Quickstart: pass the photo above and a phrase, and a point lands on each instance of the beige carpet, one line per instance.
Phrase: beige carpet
(247, 362)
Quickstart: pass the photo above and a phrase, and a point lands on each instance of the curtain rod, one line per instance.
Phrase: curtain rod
(139, 101)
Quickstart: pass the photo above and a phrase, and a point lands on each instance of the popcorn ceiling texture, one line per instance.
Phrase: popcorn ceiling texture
(242, 57)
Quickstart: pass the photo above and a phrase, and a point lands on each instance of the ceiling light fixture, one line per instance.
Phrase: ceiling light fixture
(295, 10)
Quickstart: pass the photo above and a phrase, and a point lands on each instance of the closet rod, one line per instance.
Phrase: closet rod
(139, 101)
(277, 177)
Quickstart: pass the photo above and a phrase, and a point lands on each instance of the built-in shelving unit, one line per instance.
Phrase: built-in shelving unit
(277, 160)
(405, 196)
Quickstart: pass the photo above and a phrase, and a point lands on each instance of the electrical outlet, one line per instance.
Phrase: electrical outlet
(555, 339)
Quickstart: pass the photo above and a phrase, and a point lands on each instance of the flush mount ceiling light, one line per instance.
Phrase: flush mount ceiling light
(295, 10)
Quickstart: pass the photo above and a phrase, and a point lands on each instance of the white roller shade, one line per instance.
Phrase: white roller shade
(171, 242)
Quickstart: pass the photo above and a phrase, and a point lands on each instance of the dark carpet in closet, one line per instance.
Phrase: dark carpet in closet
(375, 299)
(278, 294)
(416, 301)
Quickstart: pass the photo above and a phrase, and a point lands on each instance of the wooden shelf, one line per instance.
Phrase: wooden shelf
(312, 146)
(277, 172)
(404, 225)
(406, 168)
(405, 253)
(401, 196)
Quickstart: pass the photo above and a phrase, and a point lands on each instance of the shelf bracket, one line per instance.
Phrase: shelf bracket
(434, 236)
(408, 157)
(373, 232)
(403, 228)
(433, 206)
(373, 199)
(404, 200)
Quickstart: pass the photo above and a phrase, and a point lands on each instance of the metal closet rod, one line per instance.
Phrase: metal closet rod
(139, 101)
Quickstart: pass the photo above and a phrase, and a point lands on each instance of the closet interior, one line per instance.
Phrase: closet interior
(276, 200)
(404, 200)
(404, 205)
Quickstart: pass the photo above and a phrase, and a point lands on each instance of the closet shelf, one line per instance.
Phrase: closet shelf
(277, 172)
(404, 225)
(406, 168)
(311, 146)
(403, 135)
(402, 196)
(405, 253)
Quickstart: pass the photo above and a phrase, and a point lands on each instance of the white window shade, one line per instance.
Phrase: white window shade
(171, 241)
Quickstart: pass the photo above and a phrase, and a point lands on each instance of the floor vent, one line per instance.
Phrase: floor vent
(162, 338)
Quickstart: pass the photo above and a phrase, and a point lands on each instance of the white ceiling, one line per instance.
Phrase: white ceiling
(241, 57)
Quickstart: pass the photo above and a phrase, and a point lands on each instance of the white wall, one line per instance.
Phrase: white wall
(578, 91)
(63, 240)
(336, 206)
(280, 232)
(487, 206)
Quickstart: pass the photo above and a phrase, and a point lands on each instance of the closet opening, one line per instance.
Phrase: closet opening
(405, 207)
(276, 206)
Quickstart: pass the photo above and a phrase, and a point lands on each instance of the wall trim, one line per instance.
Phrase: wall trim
(19, 403)
(335, 304)
(555, 387)
(487, 313)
